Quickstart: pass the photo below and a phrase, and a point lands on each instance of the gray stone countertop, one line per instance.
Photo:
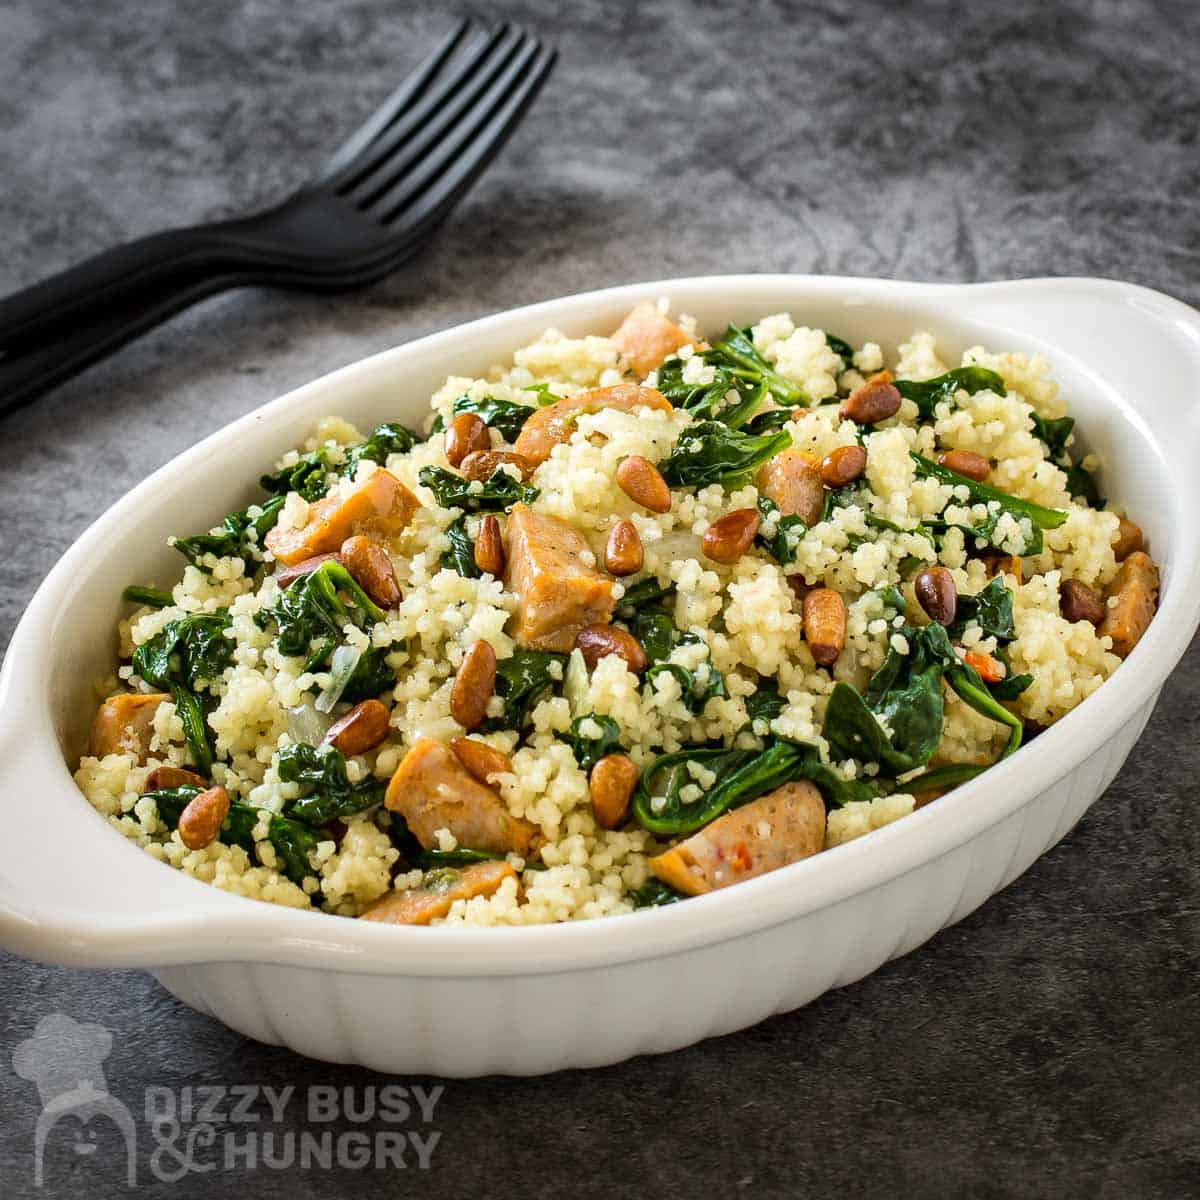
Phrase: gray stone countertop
(1047, 1045)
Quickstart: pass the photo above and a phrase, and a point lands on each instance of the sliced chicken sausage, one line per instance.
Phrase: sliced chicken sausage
(555, 423)
(558, 592)
(440, 889)
(432, 790)
(380, 505)
(779, 828)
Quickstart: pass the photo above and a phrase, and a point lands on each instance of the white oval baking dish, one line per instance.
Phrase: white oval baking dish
(522, 1001)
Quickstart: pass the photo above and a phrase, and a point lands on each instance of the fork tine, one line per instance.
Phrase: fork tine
(410, 89)
(475, 59)
(457, 141)
(422, 213)
(368, 188)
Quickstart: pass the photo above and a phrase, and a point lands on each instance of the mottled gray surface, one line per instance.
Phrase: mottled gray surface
(1046, 1046)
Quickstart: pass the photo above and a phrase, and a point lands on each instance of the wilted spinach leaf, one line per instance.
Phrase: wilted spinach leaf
(906, 694)
(927, 394)
(499, 493)
(521, 680)
(232, 538)
(710, 452)
(328, 793)
(306, 476)
(742, 776)
(1040, 518)
(502, 415)
(313, 609)
(991, 609)
(788, 531)
(185, 653)
(460, 556)
(1054, 432)
(388, 438)
(590, 747)
(654, 894)
(150, 597)
(293, 840)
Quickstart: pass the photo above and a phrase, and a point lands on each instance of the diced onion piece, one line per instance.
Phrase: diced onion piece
(305, 724)
(341, 667)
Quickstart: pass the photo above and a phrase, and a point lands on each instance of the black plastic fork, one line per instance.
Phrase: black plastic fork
(375, 203)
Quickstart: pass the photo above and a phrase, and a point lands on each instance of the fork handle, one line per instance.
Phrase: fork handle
(25, 375)
(87, 290)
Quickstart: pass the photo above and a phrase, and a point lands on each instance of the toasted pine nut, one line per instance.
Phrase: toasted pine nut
(467, 433)
(483, 761)
(873, 401)
(989, 669)
(286, 576)
(730, 536)
(201, 821)
(473, 686)
(482, 464)
(935, 590)
(489, 549)
(594, 642)
(792, 482)
(1129, 539)
(623, 552)
(640, 480)
(967, 463)
(1079, 602)
(163, 778)
(824, 625)
(843, 465)
(612, 782)
(363, 728)
(371, 567)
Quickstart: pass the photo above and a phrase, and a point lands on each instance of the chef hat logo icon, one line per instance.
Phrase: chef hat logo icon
(65, 1059)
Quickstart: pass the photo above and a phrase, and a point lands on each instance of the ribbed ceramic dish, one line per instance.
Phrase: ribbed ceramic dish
(521, 1001)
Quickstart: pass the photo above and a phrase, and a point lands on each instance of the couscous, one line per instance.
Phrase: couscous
(634, 618)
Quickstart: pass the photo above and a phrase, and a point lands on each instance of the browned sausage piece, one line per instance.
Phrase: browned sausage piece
(125, 724)
(779, 828)
(432, 790)
(1136, 589)
(555, 423)
(792, 482)
(646, 337)
(558, 593)
(381, 505)
(438, 891)
(1129, 539)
